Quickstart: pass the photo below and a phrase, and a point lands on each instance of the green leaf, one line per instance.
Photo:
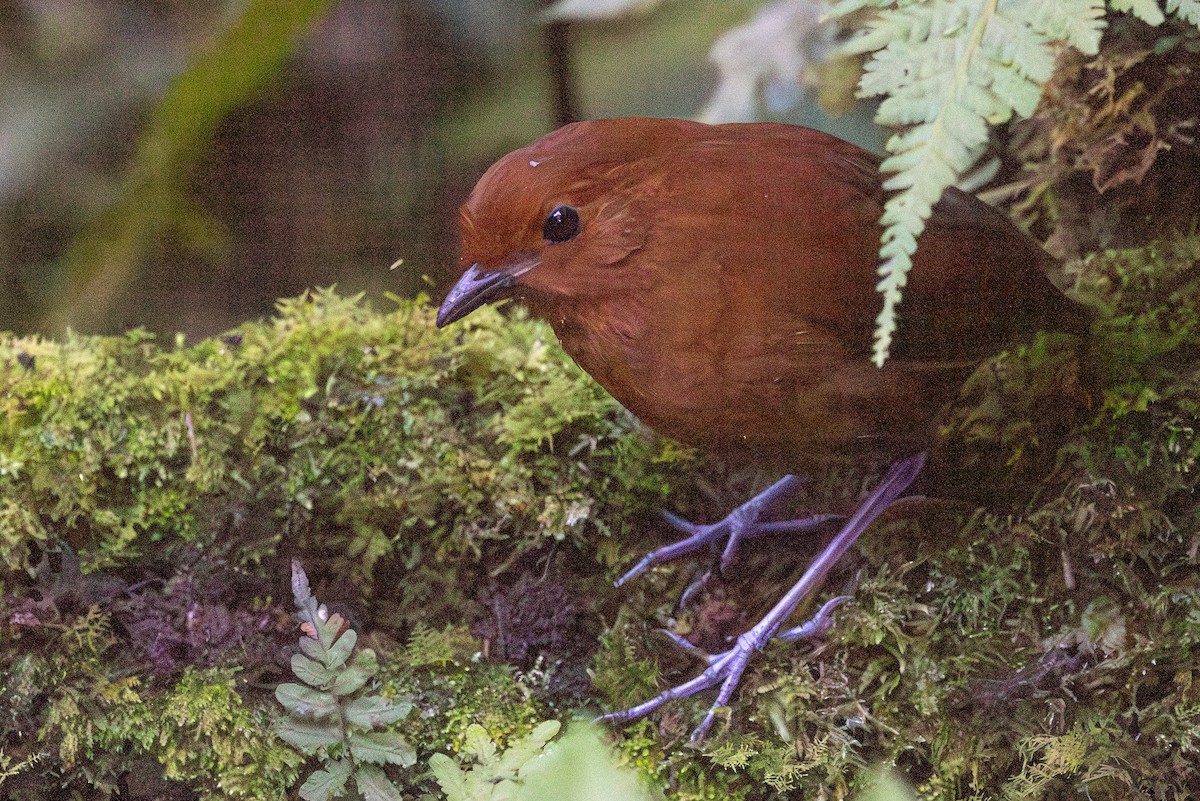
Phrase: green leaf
(309, 736)
(450, 777)
(306, 701)
(374, 785)
(323, 785)
(479, 744)
(582, 766)
(310, 672)
(1017, 91)
(528, 747)
(313, 648)
(341, 649)
(1079, 23)
(382, 747)
(301, 592)
(1187, 9)
(328, 626)
(349, 680)
(1105, 626)
(374, 711)
(947, 71)
(883, 785)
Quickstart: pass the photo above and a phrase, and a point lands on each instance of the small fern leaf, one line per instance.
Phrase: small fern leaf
(929, 68)
(844, 7)
(1185, 9)
(894, 272)
(1146, 10)
(1078, 23)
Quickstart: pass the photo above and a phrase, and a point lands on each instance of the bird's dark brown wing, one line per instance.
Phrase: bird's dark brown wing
(978, 284)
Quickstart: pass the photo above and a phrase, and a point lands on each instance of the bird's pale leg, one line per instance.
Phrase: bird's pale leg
(726, 669)
(744, 522)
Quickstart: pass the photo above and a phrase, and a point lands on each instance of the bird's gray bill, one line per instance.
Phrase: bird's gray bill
(474, 289)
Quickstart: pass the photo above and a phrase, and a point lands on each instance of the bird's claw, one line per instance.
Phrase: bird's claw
(727, 668)
(817, 625)
(683, 644)
(694, 589)
(744, 522)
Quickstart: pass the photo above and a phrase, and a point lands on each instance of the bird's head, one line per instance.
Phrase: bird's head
(556, 220)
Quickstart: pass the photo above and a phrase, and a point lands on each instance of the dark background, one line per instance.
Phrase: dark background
(350, 153)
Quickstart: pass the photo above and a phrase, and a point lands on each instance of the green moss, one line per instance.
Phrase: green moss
(370, 444)
(1041, 647)
(398, 442)
(96, 726)
(205, 736)
(456, 690)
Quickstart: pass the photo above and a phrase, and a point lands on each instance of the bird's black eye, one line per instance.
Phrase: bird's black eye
(562, 224)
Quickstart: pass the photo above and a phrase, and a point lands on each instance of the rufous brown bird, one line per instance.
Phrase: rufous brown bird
(719, 281)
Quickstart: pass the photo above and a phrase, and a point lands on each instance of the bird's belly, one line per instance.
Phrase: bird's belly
(803, 418)
(755, 392)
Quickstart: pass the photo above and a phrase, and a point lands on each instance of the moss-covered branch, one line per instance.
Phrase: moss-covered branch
(461, 500)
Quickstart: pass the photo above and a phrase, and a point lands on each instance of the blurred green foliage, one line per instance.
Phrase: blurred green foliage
(152, 204)
(180, 166)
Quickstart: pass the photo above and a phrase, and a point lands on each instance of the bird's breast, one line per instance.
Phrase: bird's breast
(738, 388)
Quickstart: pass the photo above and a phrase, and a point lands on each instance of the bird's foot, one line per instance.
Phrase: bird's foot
(727, 668)
(744, 522)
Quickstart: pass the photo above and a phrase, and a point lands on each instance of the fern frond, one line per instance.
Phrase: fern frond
(1078, 23)
(1185, 9)
(947, 70)
(1145, 10)
(844, 7)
